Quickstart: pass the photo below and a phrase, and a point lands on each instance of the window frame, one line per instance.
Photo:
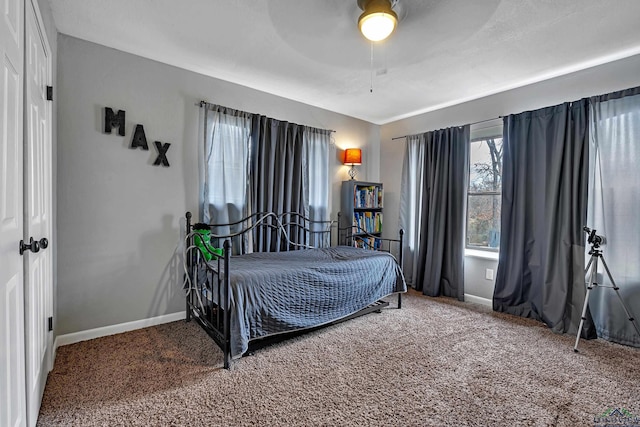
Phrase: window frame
(481, 132)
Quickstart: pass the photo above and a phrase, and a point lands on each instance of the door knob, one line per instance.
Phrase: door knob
(33, 246)
(44, 243)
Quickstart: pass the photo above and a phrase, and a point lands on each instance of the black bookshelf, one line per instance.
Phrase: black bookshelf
(362, 213)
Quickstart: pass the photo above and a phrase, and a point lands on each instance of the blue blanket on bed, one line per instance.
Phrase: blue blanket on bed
(278, 292)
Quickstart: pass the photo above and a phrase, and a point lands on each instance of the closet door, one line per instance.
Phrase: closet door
(12, 366)
(37, 216)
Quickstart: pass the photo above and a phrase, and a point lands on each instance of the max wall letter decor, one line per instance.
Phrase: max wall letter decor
(112, 120)
(139, 139)
(162, 154)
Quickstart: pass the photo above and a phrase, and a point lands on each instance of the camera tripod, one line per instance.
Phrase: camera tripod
(596, 254)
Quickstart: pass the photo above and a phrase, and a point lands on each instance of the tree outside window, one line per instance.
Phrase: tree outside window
(484, 195)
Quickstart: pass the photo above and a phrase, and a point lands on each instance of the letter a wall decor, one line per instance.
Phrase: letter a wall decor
(139, 139)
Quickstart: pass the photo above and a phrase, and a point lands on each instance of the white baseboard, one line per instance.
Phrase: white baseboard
(115, 329)
(478, 300)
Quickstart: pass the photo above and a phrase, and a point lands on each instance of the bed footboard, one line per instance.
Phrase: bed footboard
(356, 236)
(208, 299)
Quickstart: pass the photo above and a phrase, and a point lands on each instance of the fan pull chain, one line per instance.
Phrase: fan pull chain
(371, 87)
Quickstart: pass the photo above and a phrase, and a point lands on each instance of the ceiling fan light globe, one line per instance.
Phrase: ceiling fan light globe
(377, 26)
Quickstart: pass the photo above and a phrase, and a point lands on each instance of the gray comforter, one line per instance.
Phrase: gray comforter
(285, 291)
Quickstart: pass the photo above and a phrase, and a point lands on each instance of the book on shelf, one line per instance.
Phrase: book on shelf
(367, 222)
(367, 242)
(368, 197)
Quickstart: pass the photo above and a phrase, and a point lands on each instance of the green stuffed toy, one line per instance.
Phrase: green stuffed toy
(202, 239)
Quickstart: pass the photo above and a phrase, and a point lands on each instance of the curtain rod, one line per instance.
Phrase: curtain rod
(468, 124)
(203, 103)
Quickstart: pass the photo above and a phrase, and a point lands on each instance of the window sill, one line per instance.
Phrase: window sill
(475, 253)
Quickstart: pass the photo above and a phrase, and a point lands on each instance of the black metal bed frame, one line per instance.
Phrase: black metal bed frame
(212, 316)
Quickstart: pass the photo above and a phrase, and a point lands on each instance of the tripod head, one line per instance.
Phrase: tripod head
(593, 239)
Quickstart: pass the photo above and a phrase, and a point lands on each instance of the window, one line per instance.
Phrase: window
(225, 164)
(228, 176)
(485, 186)
(228, 165)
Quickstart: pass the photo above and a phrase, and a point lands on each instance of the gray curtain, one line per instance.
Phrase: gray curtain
(443, 206)
(614, 204)
(544, 189)
(413, 175)
(277, 183)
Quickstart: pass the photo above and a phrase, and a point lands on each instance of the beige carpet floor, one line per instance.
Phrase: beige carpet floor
(435, 362)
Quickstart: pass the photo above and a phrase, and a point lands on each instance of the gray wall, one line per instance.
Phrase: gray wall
(118, 217)
(606, 78)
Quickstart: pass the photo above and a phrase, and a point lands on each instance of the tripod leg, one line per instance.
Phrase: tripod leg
(624, 306)
(588, 265)
(583, 317)
(626, 310)
(591, 285)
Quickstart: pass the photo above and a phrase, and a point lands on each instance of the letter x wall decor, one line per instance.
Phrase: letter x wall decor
(117, 120)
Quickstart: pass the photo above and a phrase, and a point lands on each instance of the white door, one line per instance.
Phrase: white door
(12, 366)
(38, 279)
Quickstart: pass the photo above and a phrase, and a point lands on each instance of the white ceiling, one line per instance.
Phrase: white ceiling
(443, 52)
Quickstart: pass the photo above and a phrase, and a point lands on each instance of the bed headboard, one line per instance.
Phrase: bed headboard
(269, 232)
